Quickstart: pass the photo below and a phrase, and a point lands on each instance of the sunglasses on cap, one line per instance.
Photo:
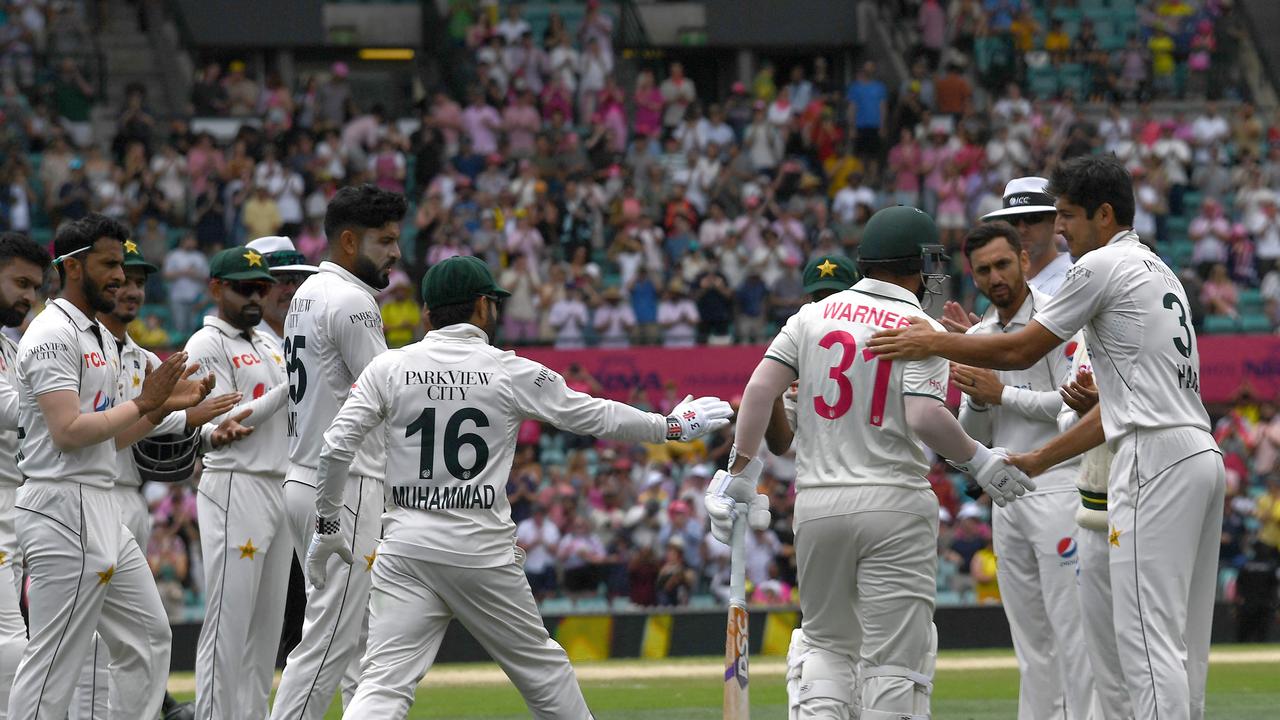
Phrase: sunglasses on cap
(247, 288)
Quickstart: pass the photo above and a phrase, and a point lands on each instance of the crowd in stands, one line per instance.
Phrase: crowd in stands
(626, 207)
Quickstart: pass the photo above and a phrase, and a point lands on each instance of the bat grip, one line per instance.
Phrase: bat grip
(738, 557)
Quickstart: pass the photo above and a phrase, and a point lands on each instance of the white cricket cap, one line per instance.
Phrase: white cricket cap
(281, 255)
(970, 510)
(1022, 196)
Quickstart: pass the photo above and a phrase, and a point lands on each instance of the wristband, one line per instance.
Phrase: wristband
(674, 430)
(326, 526)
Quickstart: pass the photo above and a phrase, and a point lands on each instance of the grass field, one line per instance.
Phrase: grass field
(1244, 684)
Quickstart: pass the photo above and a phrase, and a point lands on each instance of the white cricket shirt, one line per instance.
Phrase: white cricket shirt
(248, 362)
(10, 404)
(449, 407)
(1146, 360)
(134, 360)
(65, 350)
(333, 330)
(1027, 416)
(1050, 278)
(851, 423)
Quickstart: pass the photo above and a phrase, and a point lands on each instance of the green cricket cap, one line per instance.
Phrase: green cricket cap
(829, 272)
(133, 258)
(240, 263)
(457, 280)
(897, 232)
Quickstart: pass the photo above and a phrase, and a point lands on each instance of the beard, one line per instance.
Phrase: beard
(13, 315)
(248, 317)
(370, 274)
(94, 294)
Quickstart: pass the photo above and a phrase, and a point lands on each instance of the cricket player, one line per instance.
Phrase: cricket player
(333, 330)
(87, 571)
(1035, 538)
(92, 690)
(22, 267)
(1164, 496)
(866, 518)
(1079, 395)
(289, 268)
(244, 536)
(448, 408)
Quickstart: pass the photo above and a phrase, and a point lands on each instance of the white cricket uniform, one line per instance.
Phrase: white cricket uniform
(244, 536)
(1167, 480)
(13, 630)
(333, 330)
(1035, 537)
(866, 518)
(264, 329)
(89, 700)
(1050, 278)
(1094, 573)
(87, 571)
(449, 408)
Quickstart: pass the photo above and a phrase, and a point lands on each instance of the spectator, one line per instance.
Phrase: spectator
(954, 93)
(73, 99)
(676, 580)
(481, 124)
(677, 316)
(867, 107)
(569, 319)
(75, 195)
(242, 91)
(401, 314)
(614, 320)
(262, 213)
(540, 540)
(1219, 294)
(580, 554)
(186, 274)
(208, 95)
(678, 93)
(932, 23)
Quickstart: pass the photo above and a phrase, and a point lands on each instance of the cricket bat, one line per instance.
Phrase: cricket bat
(737, 705)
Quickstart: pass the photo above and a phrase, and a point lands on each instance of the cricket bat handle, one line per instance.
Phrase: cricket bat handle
(736, 677)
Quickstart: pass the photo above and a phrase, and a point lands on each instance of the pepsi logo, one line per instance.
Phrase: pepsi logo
(259, 390)
(1067, 548)
(101, 401)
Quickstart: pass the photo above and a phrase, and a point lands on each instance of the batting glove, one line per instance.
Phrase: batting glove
(725, 492)
(691, 419)
(1003, 482)
(328, 540)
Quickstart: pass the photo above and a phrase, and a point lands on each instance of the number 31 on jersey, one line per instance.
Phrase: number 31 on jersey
(839, 372)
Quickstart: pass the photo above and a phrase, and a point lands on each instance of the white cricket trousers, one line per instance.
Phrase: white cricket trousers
(335, 616)
(89, 700)
(1035, 541)
(13, 630)
(1167, 520)
(410, 608)
(1099, 630)
(87, 573)
(247, 547)
(868, 584)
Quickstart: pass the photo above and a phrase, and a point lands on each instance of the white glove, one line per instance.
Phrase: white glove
(1003, 482)
(725, 492)
(324, 544)
(691, 419)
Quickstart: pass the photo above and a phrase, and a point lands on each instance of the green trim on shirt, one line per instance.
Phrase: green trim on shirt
(784, 362)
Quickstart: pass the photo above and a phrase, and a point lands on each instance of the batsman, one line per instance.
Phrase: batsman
(866, 520)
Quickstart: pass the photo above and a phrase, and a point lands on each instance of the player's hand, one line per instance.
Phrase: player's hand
(1028, 462)
(324, 544)
(955, 319)
(978, 383)
(913, 342)
(159, 382)
(187, 392)
(699, 417)
(211, 407)
(230, 429)
(1003, 482)
(724, 494)
(1081, 394)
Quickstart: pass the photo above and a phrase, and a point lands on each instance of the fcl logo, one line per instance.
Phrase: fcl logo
(93, 359)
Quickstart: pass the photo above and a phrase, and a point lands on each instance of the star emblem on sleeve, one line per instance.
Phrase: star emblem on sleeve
(827, 269)
(254, 258)
(247, 550)
(1114, 537)
(4, 557)
(137, 381)
(368, 560)
(105, 576)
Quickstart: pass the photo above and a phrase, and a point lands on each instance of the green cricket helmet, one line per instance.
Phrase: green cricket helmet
(901, 233)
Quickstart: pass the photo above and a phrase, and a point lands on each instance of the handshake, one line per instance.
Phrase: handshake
(1002, 481)
(727, 492)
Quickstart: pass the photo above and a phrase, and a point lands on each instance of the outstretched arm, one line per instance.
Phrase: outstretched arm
(1078, 439)
(1004, 351)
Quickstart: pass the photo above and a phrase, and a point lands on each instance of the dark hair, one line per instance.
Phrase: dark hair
(362, 207)
(447, 315)
(988, 231)
(897, 267)
(83, 233)
(16, 245)
(1091, 180)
